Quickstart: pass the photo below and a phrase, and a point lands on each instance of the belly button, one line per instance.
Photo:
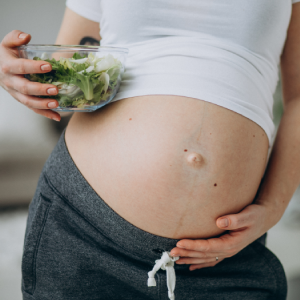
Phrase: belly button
(195, 159)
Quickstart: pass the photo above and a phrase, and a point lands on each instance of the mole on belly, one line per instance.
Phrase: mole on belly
(195, 159)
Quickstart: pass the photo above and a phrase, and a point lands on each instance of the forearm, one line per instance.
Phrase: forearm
(282, 175)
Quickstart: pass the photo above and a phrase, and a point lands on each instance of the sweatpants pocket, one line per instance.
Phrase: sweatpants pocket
(31, 244)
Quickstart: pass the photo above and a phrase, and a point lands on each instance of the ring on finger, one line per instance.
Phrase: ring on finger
(217, 258)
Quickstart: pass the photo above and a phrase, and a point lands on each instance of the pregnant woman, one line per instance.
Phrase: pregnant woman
(178, 176)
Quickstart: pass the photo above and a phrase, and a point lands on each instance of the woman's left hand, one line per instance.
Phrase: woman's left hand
(244, 228)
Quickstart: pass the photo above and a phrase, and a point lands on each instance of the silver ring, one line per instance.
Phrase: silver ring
(217, 258)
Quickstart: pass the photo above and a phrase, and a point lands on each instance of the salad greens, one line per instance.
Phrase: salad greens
(83, 80)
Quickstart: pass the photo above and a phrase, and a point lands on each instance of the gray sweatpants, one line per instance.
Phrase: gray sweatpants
(77, 247)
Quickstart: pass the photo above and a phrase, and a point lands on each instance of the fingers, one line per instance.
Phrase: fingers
(190, 260)
(27, 87)
(25, 66)
(210, 245)
(48, 114)
(232, 222)
(195, 254)
(34, 102)
(243, 219)
(20, 88)
(205, 265)
(15, 38)
(15, 65)
(227, 244)
(197, 259)
(38, 105)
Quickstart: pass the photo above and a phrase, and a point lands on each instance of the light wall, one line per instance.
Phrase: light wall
(26, 139)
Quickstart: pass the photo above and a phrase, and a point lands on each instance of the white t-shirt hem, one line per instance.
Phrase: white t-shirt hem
(79, 8)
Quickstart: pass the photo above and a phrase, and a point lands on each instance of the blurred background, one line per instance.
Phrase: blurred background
(26, 140)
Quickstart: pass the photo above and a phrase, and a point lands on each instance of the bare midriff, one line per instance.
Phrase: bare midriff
(169, 165)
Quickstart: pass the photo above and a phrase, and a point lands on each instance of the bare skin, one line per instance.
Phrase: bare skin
(190, 172)
(166, 164)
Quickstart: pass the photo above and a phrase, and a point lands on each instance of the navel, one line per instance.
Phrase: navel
(195, 159)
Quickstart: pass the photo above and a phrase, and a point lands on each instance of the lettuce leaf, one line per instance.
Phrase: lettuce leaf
(93, 86)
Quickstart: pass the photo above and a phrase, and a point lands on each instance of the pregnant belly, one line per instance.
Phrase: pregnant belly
(170, 165)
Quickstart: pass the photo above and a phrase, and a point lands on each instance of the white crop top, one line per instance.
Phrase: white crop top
(223, 52)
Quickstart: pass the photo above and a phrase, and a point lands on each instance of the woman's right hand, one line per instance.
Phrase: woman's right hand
(12, 70)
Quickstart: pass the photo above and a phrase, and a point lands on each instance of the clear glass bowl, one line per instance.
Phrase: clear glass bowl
(87, 77)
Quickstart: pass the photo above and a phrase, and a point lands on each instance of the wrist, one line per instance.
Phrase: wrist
(271, 213)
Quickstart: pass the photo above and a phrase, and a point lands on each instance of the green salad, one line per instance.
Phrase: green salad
(83, 80)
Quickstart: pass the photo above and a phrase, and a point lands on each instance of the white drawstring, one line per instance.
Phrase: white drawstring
(165, 263)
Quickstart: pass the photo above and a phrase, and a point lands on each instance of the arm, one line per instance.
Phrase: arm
(281, 179)
(82, 30)
(12, 68)
(282, 176)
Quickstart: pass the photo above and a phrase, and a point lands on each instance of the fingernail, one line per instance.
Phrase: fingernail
(45, 67)
(173, 254)
(52, 104)
(223, 222)
(55, 119)
(180, 246)
(52, 91)
(23, 35)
